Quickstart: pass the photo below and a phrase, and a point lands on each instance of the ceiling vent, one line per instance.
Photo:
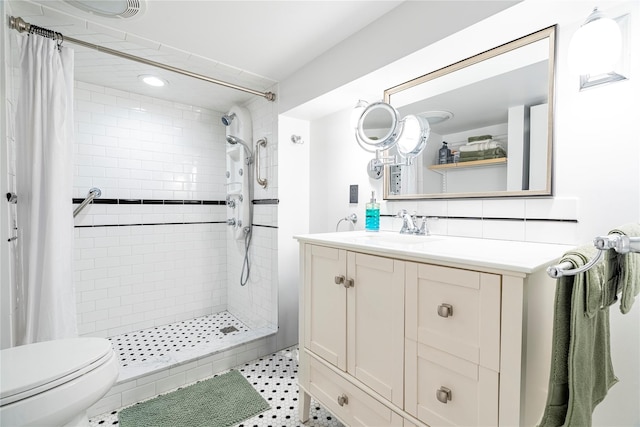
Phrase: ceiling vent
(110, 8)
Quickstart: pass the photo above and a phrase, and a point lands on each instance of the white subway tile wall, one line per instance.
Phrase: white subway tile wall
(134, 146)
(135, 277)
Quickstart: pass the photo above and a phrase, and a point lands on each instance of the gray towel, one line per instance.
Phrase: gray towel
(581, 369)
(623, 270)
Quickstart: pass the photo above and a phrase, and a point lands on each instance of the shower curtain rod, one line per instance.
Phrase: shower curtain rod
(21, 26)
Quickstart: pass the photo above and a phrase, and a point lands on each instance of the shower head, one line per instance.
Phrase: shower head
(233, 140)
(228, 118)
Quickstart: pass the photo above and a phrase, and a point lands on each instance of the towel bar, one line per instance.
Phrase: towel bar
(620, 243)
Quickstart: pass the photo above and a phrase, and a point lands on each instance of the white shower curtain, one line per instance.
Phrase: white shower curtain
(46, 307)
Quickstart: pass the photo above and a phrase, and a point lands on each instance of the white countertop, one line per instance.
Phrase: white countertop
(523, 257)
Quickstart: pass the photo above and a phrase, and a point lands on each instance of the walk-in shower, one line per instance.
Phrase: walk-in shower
(156, 267)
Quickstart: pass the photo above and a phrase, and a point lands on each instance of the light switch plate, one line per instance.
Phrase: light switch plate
(353, 194)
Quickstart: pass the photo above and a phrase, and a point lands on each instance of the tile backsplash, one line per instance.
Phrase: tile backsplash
(547, 220)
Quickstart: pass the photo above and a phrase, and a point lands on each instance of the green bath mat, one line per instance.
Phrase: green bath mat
(220, 401)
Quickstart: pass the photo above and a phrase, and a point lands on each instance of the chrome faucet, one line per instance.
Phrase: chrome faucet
(409, 225)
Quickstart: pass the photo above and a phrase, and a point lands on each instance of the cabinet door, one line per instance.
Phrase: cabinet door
(455, 310)
(325, 304)
(375, 324)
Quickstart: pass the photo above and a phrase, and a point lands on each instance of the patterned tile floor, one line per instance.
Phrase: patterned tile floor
(275, 378)
(140, 345)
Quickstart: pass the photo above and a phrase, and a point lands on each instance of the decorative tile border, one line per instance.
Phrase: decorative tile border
(147, 202)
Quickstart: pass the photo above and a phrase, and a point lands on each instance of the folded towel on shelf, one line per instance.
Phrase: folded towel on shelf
(581, 369)
(479, 138)
(475, 158)
(490, 153)
(480, 146)
(623, 270)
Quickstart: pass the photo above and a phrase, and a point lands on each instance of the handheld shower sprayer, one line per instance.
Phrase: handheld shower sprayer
(233, 140)
(228, 118)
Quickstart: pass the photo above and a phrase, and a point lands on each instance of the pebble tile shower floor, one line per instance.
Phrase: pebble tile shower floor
(140, 345)
(275, 378)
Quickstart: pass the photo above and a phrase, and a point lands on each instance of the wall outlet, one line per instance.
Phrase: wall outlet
(353, 194)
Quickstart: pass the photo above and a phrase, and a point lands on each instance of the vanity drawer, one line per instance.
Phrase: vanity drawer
(346, 401)
(454, 310)
(445, 390)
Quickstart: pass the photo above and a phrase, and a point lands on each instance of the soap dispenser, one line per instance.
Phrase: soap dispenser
(372, 214)
(444, 153)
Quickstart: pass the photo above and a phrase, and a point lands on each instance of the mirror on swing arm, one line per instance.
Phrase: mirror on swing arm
(379, 128)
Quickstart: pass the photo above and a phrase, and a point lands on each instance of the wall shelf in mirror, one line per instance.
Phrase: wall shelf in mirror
(504, 92)
(471, 164)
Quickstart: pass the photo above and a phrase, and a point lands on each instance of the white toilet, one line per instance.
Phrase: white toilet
(53, 383)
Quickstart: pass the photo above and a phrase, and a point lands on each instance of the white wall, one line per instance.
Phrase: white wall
(293, 220)
(406, 28)
(596, 168)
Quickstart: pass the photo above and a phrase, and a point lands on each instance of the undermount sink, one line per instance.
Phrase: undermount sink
(392, 239)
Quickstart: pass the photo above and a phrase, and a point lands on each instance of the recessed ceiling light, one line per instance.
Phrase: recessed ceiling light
(436, 116)
(153, 80)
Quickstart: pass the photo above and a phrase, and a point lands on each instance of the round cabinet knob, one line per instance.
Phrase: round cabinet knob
(343, 400)
(445, 310)
(339, 280)
(443, 394)
(348, 283)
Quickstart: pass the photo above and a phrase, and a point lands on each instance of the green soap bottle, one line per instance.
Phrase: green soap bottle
(372, 214)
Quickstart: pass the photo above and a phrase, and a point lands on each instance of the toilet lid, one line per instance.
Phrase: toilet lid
(34, 368)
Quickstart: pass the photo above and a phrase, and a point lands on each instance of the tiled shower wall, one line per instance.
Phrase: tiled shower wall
(157, 252)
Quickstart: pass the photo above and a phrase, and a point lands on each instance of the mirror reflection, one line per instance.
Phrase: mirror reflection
(490, 119)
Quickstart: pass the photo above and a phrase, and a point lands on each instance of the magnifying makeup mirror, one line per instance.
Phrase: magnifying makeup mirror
(380, 128)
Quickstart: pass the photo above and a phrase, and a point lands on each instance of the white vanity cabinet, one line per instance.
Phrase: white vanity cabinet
(395, 337)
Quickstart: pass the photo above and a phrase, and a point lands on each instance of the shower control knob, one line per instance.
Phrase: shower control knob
(228, 174)
(231, 222)
(240, 172)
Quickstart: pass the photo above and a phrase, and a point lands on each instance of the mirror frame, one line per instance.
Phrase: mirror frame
(550, 33)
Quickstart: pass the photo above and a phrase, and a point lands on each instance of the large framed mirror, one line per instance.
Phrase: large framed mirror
(494, 111)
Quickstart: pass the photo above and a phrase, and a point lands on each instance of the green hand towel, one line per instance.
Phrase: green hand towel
(479, 138)
(483, 153)
(623, 270)
(581, 369)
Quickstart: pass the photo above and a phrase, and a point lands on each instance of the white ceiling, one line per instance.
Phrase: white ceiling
(253, 44)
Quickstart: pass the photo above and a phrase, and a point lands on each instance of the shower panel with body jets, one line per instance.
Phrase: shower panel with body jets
(239, 175)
